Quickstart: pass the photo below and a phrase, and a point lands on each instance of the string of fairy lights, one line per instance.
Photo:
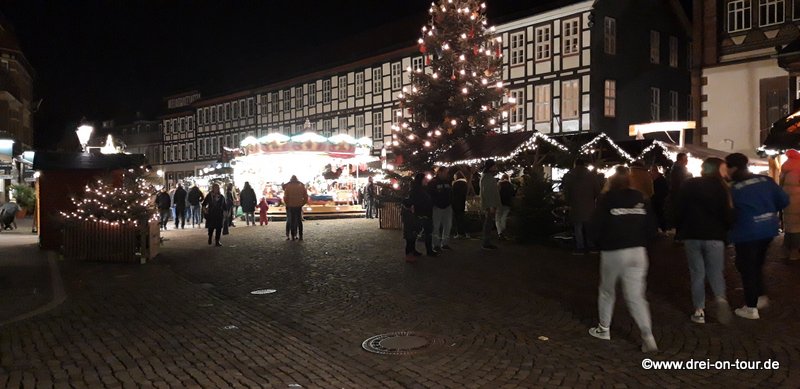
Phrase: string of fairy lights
(528, 145)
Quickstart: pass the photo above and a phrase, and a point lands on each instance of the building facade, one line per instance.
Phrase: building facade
(740, 89)
(582, 67)
(16, 89)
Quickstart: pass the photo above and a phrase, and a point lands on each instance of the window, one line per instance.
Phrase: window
(342, 125)
(191, 123)
(417, 64)
(251, 106)
(236, 110)
(795, 9)
(673, 52)
(172, 153)
(201, 148)
(275, 102)
(298, 97)
(326, 127)
(518, 112)
(542, 43)
(227, 112)
(287, 100)
(655, 47)
(739, 15)
(235, 141)
(673, 105)
(342, 88)
(191, 151)
(397, 76)
(326, 91)
(377, 81)
(213, 114)
(202, 116)
(227, 141)
(242, 108)
(570, 99)
(610, 35)
(610, 98)
(184, 152)
(360, 126)
(518, 48)
(377, 125)
(655, 104)
(312, 93)
(771, 12)
(360, 84)
(180, 153)
(542, 103)
(571, 37)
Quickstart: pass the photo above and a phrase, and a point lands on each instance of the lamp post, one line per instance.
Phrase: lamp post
(84, 133)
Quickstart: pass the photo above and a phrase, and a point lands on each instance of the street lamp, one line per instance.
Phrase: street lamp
(84, 132)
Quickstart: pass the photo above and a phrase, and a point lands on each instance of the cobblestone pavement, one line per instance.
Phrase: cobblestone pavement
(517, 317)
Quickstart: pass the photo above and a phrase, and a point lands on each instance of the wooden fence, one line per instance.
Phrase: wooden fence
(92, 241)
(389, 216)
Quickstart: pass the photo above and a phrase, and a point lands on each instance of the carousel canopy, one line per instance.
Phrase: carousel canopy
(499, 147)
(338, 146)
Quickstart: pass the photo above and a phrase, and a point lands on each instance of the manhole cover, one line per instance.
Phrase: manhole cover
(263, 291)
(401, 343)
(230, 327)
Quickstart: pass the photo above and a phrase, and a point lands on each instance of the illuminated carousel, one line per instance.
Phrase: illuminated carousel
(332, 168)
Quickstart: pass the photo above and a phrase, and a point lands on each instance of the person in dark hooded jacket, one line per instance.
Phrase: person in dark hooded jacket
(248, 201)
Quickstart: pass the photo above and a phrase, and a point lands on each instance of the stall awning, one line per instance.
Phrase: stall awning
(82, 161)
(499, 147)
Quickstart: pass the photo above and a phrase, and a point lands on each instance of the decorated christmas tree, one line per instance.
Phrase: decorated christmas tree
(460, 92)
(115, 200)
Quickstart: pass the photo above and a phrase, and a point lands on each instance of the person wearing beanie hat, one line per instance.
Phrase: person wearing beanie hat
(490, 201)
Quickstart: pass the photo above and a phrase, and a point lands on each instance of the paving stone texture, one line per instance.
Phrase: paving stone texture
(515, 317)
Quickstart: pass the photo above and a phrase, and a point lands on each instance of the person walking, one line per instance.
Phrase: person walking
(230, 211)
(420, 205)
(679, 173)
(164, 205)
(507, 193)
(180, 206)
(623, 224)
(247, 198)
(490, 202)
(703, 216)
(215, 207)
(295, 196)
(659, 199)
(194, 198)
(641, 179)
(460, 188)
(790, 182)
(263, 207)
(369, 199)
(757, 200)
(581, 189)
(442, 196)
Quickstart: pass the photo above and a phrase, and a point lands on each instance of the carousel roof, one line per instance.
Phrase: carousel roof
(783, 135)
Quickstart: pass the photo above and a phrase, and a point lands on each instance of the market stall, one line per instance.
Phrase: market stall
(333, 170)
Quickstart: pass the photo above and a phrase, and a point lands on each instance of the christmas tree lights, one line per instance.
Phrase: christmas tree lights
(459, 94)
(108, 203)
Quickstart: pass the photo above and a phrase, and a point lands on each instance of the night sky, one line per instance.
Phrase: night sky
(106, 59)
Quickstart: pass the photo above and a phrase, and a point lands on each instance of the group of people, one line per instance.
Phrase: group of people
(727, 204)
(180, 205)
(433, 207)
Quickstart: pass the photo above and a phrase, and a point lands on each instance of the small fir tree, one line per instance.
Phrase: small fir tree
(460, 92)
(125, 202)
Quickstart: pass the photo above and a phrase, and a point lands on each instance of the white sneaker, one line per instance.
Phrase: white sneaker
(649, 344)
(763, 302)
(699, 317)
(747, 313)
(600, 332)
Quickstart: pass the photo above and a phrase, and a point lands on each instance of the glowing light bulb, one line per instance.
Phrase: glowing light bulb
(427, 144)
(435, 75)
(505, 114)
(420, 41)
(405, 89)
(430, 33)
(465, 91)
(399, 113)
(409, 69)
(437, 132)
(500, 84)
(463, 36)
(414, 89)
(484, 108)
(454, 122)
(484, 81)
(492, 121)
(446, 46)
(411, 137)
(461, 57)
(483, 5)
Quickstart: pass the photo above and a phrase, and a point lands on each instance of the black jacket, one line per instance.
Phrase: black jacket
(441, 192)
(163, 201)
(214, 210)
(460, 188)
(195, 196)
(179, 197)
(507, 192)
(622, 219)
(703, 210)
(247, 199)
(421, 201)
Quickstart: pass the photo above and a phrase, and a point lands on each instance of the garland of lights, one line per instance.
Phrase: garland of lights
(587, 148)
(104, 203)
(528, 145)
